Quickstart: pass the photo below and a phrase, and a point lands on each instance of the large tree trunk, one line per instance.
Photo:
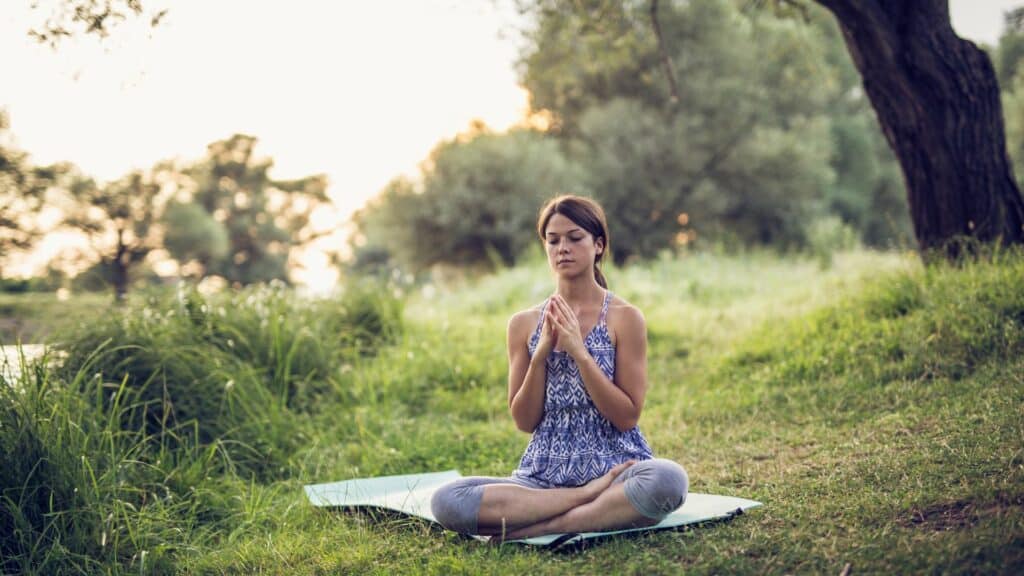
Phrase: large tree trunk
(937, 100)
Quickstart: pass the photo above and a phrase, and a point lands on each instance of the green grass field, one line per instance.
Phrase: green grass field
(876, 408)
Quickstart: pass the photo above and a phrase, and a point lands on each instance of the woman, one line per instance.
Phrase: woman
(577, 380)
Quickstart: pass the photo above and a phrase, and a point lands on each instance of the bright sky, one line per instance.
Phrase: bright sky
(360, 91)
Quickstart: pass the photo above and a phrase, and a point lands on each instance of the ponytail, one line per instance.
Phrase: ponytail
(599, 276)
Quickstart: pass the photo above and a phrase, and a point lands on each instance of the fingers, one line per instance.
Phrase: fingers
(558, 324)
(563, 308)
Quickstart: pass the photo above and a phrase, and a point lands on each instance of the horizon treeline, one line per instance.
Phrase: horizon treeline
(761, 136)
(739, 127)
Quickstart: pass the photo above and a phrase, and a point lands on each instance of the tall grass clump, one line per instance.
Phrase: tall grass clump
(138, 440)
(233, 368)
(81, 490)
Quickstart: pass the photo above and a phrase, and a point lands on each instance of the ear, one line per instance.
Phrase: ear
(600, 246)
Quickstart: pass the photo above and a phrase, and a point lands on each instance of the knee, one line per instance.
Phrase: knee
(660, 489)
(452, 507)
(673, 484)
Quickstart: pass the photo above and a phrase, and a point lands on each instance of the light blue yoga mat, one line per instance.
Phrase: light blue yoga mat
(411, 494)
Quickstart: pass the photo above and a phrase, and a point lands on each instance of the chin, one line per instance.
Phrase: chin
(567, 271)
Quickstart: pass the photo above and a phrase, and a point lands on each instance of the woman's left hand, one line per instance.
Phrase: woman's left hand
(569, 336)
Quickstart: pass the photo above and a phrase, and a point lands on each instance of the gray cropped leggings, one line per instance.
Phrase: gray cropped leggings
(654, 487)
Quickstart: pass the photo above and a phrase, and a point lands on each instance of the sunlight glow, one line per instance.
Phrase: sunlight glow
(359, 91)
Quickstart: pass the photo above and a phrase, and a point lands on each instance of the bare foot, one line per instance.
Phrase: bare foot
(595, 487)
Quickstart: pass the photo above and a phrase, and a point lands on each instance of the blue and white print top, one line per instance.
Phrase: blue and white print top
(574, 443)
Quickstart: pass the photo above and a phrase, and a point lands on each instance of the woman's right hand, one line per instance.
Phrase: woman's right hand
(548, 333)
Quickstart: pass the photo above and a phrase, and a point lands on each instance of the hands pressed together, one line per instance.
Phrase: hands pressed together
(561, 329)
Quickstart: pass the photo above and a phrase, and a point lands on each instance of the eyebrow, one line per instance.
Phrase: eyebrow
(568, 231)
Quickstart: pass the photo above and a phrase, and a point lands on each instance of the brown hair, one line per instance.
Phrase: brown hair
(587, 214)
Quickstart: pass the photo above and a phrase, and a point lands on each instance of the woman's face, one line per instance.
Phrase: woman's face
(571, 249)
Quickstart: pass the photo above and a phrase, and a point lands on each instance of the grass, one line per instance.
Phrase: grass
(33, 316)
(876, 408)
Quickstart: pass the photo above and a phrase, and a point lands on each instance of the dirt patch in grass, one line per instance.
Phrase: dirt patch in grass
(960, 514)
(955, 515)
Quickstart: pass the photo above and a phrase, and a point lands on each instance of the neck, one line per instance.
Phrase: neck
(578, 291)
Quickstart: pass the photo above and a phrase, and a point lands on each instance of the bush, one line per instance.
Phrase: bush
(827, 236)
(231, 368)
(79, 487)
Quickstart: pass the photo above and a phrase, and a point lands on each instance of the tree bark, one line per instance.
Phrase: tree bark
(937, 100)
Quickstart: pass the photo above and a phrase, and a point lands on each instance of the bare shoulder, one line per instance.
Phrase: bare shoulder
(522, 323)
(625, 319)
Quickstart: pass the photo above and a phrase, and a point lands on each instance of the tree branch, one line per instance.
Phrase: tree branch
(666, 59)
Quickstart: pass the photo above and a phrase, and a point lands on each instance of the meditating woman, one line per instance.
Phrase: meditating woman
(577, 379)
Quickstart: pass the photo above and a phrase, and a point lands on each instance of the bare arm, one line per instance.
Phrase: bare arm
(620, 401)
(526, 375)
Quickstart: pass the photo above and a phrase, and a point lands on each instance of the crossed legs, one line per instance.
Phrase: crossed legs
(630, 495)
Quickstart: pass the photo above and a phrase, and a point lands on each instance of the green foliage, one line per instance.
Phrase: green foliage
(770, 133)
(1010, 50)
(38, 317)
(22, 192)
(742, 157)
(827, 236)
(585, 54)
(871, 406)
(868, 192)
(80, 490)
(1013, 107)
(476, 206)
(230, 369)
(118, 219)
(771, 129)
(193, 235)
(265, 219)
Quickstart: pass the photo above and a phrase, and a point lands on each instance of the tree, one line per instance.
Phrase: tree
(937, 100)
(22, 191)
(118, 220)
(265, 219)
(476, 205)
(736, 147)
(194, 238)
(89, 17)
(868, 192)
(1010, 51)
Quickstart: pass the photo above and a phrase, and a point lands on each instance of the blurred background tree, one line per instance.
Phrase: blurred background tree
(264, 220)
(194, 238)
(118, 219)
(722, 126)
(221, 216)
(747, 149)
(66, 18)
(22, 192)
(1008, 58)
(476, 204)
(706, 122)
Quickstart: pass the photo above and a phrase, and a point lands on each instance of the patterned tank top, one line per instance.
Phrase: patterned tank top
(574, 443)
